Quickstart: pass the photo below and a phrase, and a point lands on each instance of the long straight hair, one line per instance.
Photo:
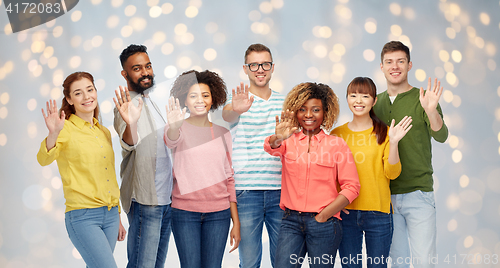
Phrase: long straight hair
(364, 85)
(68, 108)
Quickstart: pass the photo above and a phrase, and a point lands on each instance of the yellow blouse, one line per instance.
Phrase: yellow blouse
(86, 162)
(374, 170)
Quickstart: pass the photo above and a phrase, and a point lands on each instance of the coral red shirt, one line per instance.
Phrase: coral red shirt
(309, 179)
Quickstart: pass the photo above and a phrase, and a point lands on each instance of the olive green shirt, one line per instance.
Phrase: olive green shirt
(415, 150)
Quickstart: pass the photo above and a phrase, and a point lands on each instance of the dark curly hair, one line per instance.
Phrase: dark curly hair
(187, 79)
(131, 50)
(301, 93)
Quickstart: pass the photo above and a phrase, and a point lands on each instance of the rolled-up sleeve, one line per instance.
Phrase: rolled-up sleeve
(46, 157)
(391, 171)
(280, 151)
(170, 143)
(120, 127)
(442, 134)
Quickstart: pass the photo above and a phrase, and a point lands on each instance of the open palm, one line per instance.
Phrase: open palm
(430, 99)
(53, 120)
(175, 115)
(129, 112)
(396, 133)
(240, 101)
(285, 127)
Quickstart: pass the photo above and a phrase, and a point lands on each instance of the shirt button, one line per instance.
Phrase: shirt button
(108, 180)
(104, 157)
(96, 137)
(106, 168)
(109, 191)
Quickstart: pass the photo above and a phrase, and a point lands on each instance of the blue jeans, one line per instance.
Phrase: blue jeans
(301, 233)
(414, 219)
(148, 235)
(200, 237)
(256, 207)
(377, 228)
(93, 232)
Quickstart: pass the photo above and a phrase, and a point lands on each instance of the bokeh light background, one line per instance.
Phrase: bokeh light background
(325, 41)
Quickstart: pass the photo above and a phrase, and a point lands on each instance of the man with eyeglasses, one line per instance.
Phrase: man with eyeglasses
(251, 112)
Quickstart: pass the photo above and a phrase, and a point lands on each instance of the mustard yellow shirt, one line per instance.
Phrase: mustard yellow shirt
(86, 162)
(374, 170)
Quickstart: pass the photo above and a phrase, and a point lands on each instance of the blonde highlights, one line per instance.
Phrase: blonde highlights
(301, 93)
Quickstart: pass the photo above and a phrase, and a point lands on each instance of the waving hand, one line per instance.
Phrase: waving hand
(129, 112)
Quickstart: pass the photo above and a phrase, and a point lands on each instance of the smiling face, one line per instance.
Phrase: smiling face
(138, 71)
(310, 116)
(259, 78)
(199, 100)
(396, 66)
(83, 96)
(360, 104)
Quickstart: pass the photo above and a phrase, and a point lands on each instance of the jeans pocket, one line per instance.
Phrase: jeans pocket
(377, 213)
(285, 215)
(328, 220)
(240, 193)
(428, 197)
(77, 213)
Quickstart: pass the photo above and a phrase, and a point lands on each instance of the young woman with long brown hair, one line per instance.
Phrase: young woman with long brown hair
(84, 154)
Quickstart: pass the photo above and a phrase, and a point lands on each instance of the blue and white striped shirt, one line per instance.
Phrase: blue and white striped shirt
(254, 169)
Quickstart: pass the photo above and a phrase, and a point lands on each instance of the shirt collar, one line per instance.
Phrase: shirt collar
(318, 136)
(80, 123)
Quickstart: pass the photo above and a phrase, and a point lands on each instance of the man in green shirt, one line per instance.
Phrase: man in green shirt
(412, 193)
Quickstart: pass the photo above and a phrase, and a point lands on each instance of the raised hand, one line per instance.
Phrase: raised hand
(129, 112)
(285, 128)
(240, 101)
(175, 115)
(430, 99)
(396, 133)
(53, 121)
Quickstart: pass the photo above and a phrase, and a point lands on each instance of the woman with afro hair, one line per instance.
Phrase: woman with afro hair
(314, 163)
(203, 197)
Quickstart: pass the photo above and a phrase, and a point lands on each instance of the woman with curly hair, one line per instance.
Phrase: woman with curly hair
(203, 197)
(313, 164)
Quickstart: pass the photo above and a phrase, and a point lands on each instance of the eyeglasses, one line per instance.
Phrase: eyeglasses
(254, 67)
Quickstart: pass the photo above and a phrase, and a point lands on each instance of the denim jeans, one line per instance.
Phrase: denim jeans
(200, 237)
(148, 235)
(256, 208)
(93, 232)
(414, 219)
(377, 228)
(301, 233)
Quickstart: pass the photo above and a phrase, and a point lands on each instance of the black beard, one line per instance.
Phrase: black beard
(137, 87)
